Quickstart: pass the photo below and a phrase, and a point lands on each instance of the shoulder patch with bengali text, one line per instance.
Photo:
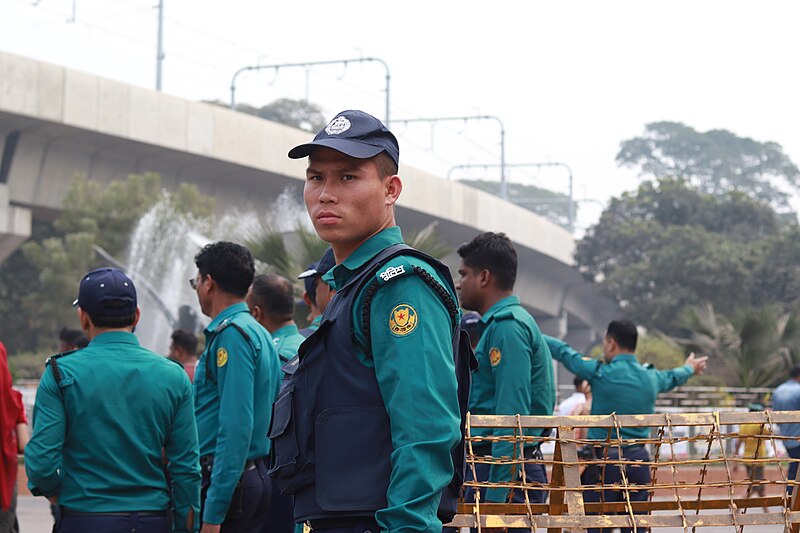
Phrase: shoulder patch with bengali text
(494, 356)
(403, 320)
(222, 357)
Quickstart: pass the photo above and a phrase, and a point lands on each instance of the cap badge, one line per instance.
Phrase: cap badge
(338, 125)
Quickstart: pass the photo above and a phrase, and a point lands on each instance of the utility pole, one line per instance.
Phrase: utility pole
(160, 51)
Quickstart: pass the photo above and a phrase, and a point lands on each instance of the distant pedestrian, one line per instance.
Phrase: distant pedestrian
(183, 349)
(787, 398)
(14, 430)
(755, 438)
(575, 403)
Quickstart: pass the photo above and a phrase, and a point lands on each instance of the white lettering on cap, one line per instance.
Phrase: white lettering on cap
(338, 125)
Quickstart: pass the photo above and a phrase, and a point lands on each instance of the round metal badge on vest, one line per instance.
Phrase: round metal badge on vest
(402, 320)
(222, 357)
(494, 356)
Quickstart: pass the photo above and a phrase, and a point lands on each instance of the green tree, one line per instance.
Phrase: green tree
(667, 246)
(716, 161)
(93, 215)
(757, 345)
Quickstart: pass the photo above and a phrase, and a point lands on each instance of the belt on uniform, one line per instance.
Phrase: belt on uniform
(69, 512)
(207, 461)
(327, 523)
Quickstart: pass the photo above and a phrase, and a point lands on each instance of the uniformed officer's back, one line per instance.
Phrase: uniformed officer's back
(105, 419)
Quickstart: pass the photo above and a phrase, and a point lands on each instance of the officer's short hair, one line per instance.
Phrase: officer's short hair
(386, 165)
(624, 334)
(229, 264)
(274, 294)
(495, 253)
(113, 321)
(185, 340)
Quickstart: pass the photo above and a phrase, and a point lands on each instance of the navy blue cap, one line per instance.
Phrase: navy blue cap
(107, 292)
(354, 133)
(317, 270)
(470, 321)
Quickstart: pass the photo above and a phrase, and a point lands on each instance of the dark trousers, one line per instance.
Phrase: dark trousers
(249, 509)
(533, 472)
(99, 523)
(281, 512)
(794, 453)
(611, 474)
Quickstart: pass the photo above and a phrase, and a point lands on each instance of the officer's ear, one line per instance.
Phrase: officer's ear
(484, 277)
(136, 316)
(393, 187)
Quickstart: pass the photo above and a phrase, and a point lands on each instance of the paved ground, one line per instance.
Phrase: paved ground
(34, 517)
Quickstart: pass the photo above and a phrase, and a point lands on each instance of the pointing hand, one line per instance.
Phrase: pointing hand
(697, 363)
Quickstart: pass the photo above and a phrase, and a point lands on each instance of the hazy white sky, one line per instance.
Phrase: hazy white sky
(569, 79)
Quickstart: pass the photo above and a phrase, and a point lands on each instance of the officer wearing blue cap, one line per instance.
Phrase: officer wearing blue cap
(103, 415)
(318, 293)
(366, 429)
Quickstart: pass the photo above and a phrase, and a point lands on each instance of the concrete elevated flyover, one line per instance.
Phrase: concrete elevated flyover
(57, 123)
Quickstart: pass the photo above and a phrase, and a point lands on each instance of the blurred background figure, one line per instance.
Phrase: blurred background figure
(575, 404)
(755, 439)
(471, 323)
(13, 426)
(183, 349)
(71, 339)
(318, 293)
(787, 398)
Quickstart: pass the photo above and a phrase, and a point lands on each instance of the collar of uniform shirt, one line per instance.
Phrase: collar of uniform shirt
(498, 306)
(338, 275)
(227, 313)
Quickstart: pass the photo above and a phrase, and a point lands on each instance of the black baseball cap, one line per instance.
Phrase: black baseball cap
(354, 133)
(107, 292)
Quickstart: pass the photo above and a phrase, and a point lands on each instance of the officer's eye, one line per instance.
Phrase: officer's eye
(348, 177)
(313, 177)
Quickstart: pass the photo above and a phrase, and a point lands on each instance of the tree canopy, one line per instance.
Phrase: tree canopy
(667, 246)
(716, 161)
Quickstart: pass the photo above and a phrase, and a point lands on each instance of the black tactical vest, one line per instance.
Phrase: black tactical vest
(331, 437)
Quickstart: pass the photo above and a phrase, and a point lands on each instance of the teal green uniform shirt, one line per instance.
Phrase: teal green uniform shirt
(416, 376)
(235, 383)
(98, 437)
(287, 340)
(514, 376)
(623, 386)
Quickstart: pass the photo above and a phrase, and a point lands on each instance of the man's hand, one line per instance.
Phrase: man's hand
(53, 500)
(210, 528)
(697, 363)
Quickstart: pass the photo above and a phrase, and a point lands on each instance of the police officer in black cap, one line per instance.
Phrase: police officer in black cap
(366, 429)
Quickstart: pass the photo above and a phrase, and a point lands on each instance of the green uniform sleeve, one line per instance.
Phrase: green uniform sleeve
(521, 361)
(43, 451)
(416, 376)
(235, 378)
(183, 463)
(669, 379)
(577, 363)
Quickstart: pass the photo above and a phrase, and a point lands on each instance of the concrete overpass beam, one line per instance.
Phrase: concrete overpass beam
(15, 225)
